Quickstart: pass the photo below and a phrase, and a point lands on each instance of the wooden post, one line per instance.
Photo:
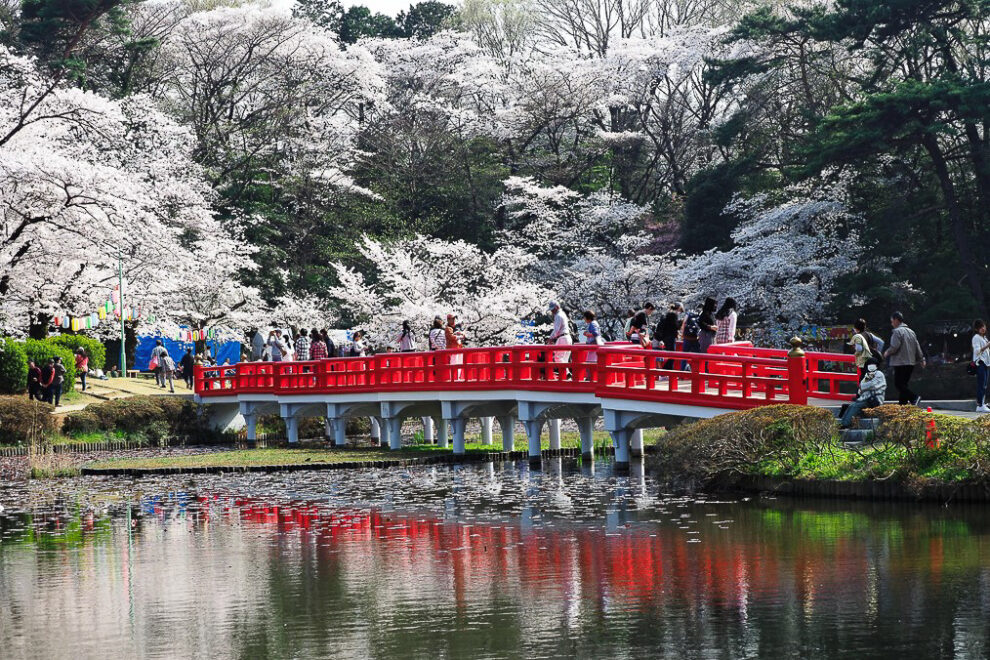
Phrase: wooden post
(797, 374)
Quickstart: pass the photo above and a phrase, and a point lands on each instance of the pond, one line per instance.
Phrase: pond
(481, 561)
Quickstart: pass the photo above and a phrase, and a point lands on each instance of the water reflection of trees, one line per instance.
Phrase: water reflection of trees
(297, 578)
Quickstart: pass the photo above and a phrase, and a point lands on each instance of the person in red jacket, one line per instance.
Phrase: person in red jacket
(47, 380)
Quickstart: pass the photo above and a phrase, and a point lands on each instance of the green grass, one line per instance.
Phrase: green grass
(890, 461)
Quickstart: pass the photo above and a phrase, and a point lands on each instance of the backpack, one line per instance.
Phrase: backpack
(692, 328)
(874, 343)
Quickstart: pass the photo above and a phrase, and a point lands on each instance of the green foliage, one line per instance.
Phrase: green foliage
(40, 350)
(358, 22)
(789, 443)
(23, 421)
(770, 436)
(705, 224)
(94, 348)
(424, 19)
(151, 417)
(325, 13)
(13, 367)
(55, 28)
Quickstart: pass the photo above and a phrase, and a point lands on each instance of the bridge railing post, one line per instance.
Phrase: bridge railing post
(797, 374)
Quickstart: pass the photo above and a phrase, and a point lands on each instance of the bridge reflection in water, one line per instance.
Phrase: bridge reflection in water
(267, 575)
(536, 386)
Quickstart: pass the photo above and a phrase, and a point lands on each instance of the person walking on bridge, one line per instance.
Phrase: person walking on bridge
(561, 333)
(904, 355)
(257, 345)
(725, 322)
(639, 328)
(302, 346)
(317, 347)
(405, 340)
(709, 327)
(437, 338)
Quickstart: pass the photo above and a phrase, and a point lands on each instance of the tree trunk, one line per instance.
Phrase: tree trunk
(959, 232)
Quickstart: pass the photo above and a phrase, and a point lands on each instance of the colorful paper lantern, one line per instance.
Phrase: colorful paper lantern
(115, 296)
(65, 322)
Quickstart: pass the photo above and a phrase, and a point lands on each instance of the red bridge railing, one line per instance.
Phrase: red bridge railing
(732, 376)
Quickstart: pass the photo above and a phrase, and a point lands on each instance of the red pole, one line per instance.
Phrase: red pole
(797, 374)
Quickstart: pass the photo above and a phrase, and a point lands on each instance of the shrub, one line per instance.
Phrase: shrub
(94, 348)
(81, 422)
(41, 350)
(13, 367)
(24, 421)
(907, 426)
(774, 437)
(152, 416)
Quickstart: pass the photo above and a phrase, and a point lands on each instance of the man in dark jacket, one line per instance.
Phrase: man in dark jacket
(187, 368)
(34, 382)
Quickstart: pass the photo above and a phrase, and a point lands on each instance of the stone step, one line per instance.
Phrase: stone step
(856, 436)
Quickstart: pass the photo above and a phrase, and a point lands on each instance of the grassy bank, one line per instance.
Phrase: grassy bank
(910, 447)
(302, 455)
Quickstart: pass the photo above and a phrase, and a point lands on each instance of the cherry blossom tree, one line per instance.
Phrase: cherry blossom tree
(85, 180)
(420, 278)
(790, 252)
(593, 251)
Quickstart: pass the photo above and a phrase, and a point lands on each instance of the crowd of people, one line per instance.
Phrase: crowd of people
(692, 331)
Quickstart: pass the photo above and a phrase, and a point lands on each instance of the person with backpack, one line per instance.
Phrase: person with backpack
(981, 358)
(665, 334)
(861, 347)
(691, 332)
(57, 381)
(904, 354)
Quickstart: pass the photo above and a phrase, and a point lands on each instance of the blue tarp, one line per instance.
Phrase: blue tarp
(230, 350)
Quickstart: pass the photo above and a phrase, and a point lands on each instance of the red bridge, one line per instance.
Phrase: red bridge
(630, 387)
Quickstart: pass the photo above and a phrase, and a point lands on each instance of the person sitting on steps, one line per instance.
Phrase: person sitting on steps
(872, 390)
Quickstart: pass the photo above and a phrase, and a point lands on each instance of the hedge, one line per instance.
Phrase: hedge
(137, 414)
(740, 442)
(40, 350)
(13, 367)
(94, 348)
(23, 420)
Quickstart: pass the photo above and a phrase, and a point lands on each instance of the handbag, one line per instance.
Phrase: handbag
(971, 369)
(154, 363)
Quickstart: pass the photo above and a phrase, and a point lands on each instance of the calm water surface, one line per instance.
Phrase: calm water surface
(479, 562)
